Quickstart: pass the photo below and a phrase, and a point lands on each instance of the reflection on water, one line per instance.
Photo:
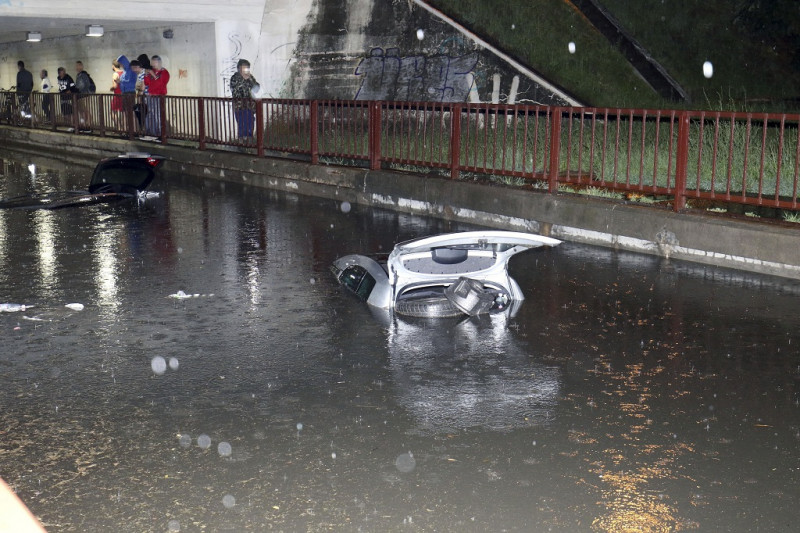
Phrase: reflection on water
(474, 373)
(628, 393)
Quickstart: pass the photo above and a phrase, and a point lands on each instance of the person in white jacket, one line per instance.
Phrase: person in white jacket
(47, 100)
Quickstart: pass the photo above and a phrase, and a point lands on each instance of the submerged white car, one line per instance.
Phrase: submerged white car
(442, 275)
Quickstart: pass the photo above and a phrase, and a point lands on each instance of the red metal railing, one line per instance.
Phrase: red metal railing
(741, 158)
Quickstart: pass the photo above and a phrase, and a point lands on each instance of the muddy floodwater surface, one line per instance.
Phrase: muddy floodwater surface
(218, 379)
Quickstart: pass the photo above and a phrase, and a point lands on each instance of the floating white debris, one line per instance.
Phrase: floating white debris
(75, 307)
(180, 295)
(13, 308)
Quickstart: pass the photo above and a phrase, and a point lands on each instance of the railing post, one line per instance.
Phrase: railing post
(260, 126)
(201, 123)
(455, 140)
(682, 161)
(98, 98)
(315, 132)
(128, 103)
(162, 109)
(75, 113)
(374, 117)
(555, 149)
(54, 113)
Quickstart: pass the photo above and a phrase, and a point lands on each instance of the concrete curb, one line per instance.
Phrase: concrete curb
(741, 244)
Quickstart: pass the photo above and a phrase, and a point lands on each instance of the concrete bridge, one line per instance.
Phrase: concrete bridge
(332, 49)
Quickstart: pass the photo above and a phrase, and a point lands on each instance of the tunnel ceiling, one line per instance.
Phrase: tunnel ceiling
(15, 29)
(70, 18)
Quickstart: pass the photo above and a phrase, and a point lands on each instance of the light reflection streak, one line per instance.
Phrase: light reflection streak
(3, 241)
(107, 268)
(44, 221)
(253, 280)
(640, 463)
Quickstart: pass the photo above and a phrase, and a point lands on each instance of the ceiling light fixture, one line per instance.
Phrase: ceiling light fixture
(34, 36)
(94, 30)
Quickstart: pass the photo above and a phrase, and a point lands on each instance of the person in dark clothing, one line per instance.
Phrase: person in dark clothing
(85, 86)
(66, 86)
(24, 88)
(243, 88)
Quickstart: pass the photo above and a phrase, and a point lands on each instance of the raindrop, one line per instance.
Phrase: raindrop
(173, 525)
(299, 426)
(420, 34)
(228, 501)
(158, 364)
(180, 250)
(173, 363)
(345, 207)
(185, 440)
(333, 455)
(513, 26)
(571, 47)
(708, 69)
(405, 462)
(204, 441)
(224, 449)
(312, 281)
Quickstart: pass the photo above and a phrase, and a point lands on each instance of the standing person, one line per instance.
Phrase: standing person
(116, 88)
(156, 80)
(47, 100)
(24, 88)
(85, 85)
(66, 86)
(243, 85)
(127, 85)
(140, 90)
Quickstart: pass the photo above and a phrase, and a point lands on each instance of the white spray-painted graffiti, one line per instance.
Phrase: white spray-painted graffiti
(439, 78)
(229, 63)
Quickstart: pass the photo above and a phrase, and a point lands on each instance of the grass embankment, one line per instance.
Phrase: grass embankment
(538, 33)
(749, 73)
(680, 34)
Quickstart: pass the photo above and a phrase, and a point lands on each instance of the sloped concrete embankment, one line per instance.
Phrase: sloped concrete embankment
(741, 244)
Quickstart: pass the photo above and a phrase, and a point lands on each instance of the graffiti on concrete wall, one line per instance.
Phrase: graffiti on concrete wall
(438, 77)
(229, 63)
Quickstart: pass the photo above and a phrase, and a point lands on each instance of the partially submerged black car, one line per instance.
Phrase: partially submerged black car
(116, 178)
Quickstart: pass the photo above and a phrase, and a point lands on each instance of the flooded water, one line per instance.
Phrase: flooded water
(629, 393)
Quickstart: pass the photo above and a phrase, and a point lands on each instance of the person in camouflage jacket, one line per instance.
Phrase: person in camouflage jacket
(243, 89)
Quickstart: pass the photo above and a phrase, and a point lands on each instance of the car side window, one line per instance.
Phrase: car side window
(358, 280)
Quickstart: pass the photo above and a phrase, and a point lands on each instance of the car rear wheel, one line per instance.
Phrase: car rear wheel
(427, 307)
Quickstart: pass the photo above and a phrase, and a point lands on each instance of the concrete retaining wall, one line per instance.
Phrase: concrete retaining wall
(747, 245)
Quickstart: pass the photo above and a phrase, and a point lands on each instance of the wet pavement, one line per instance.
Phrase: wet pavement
(629, 393)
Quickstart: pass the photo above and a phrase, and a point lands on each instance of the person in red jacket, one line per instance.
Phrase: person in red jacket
(156, 79)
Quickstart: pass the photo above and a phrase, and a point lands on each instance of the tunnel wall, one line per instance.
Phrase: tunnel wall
(319, 49)
(378, 50)
(702, 238)
(188, 55)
